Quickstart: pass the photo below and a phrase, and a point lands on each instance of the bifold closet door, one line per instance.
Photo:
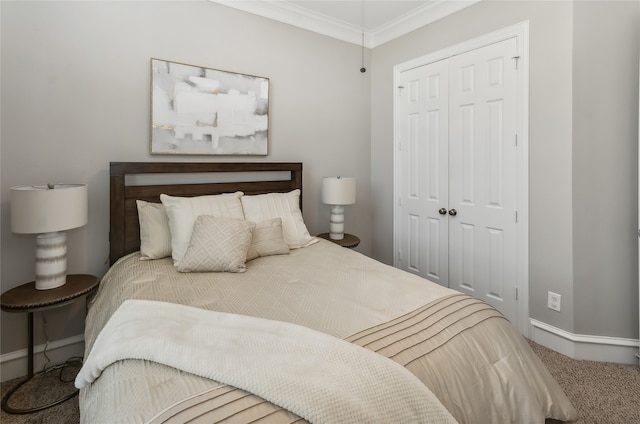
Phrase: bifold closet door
(457, 129)
(424, 133)
(482, 175)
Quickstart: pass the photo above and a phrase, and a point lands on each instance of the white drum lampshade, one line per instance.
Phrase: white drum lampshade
(338, 191)
(48, 210)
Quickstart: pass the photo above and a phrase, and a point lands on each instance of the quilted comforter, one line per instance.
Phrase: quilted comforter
(474, 361)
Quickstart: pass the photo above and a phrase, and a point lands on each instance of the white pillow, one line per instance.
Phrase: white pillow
(262, 207)
(183, 211)
(218, 245)
(155, 236)
(267, 240)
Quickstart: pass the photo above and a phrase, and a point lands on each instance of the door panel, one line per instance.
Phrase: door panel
(482, 183)
(423, 133)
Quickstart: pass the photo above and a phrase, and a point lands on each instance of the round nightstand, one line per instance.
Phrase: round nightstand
(349, 240)
(26, 298)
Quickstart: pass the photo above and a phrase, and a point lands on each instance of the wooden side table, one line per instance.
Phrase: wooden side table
(26, 298)
(349, 240)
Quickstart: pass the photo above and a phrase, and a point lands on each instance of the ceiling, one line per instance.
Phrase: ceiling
(378, 21)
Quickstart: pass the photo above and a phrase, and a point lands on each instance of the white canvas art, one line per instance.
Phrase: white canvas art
(202, 111)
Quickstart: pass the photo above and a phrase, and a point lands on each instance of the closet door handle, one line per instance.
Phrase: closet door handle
(453, 212)
(443, 211)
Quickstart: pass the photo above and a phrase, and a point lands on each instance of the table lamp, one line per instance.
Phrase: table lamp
(338, 191)
(48, 210)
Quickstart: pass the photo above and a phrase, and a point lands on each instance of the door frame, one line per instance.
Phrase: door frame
(520, 32)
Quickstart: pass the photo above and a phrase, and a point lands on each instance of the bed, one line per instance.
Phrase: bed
(291, 328)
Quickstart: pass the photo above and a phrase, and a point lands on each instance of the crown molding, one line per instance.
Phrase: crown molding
(432, 11)
(288, 13)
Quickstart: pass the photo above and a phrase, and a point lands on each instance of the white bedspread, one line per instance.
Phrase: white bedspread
(272, 359)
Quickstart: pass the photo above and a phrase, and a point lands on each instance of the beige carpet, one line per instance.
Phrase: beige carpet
(44, 388)
(603, 393)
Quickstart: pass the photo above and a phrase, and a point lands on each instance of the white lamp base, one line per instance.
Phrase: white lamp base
(336, 228)
(51, 260)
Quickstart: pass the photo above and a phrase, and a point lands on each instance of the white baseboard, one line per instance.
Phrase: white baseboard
(15, 364)
(591, 348)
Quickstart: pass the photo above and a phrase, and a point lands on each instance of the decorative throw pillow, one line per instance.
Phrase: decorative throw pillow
(217, 244)
(183, 211)
(267, 240)
(155, 236)
(286, 206)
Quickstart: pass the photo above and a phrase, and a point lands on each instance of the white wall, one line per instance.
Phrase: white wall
(76, 94)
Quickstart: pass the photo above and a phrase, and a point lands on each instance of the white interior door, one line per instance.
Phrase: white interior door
(424, 174)
(482, 177)
(456, 121)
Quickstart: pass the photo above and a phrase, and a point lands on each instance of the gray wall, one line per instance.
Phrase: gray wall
(76, 95)
(579, 65)
(605, 153)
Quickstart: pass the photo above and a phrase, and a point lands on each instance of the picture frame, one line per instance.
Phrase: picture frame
(203, 111)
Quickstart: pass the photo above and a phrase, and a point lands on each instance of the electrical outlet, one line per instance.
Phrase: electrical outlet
(553, 301)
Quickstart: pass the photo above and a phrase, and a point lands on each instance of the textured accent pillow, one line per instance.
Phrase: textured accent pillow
(217, 244)
(183, 211)
(155, 236)
(286, 206)
(267, 240)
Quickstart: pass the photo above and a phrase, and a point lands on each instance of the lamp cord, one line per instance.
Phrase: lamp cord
(61, 367)
(46, 345)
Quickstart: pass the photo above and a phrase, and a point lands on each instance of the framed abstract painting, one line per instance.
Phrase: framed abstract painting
(203, 111)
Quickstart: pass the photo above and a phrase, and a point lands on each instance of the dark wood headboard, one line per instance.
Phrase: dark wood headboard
(124, 228)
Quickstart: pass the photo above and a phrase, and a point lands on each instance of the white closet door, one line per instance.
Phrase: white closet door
(423, 115)
(456, 121)
(482, 175)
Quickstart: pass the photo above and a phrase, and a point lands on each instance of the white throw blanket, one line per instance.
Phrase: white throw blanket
(314, 375)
